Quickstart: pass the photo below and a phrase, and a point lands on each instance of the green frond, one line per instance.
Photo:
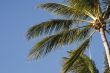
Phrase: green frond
(82, 65)
(90, 64)
(48, 27)
(50, 43)
(61, 9)
(75, 55)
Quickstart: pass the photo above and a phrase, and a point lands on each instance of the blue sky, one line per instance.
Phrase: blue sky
(16, 16)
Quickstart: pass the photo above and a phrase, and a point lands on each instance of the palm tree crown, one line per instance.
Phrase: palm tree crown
(82, 18)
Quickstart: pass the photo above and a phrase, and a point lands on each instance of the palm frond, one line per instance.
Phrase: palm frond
(82, 65)
(50, 43)
(89, 14)
(61, 9)
(91, 6)
(49, 27)
(54, 41)
(84, 33)
(68, 64)
(91, 64)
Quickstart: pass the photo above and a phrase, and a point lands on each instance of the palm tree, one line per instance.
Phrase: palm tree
(82, 18)
(84, 64)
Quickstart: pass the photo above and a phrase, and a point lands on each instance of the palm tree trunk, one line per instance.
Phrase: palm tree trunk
(105, 43)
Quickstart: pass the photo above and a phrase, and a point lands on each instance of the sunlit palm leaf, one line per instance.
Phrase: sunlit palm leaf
(77, 53)
(82, 65)
(91, 6)
(65, 10)
(49, 27)
(82, 3)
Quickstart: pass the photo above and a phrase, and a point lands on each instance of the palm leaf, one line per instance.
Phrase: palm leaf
(68, 64)
(49, 43)
(91, 6)
(49, 27)
(82, 65)
(64, 10)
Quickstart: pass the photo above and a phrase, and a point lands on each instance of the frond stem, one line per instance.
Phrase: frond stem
(90, 15)
(91, 34)
(83, 20)
(80, 27)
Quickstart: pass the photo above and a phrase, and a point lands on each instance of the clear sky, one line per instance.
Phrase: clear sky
(16, 16)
